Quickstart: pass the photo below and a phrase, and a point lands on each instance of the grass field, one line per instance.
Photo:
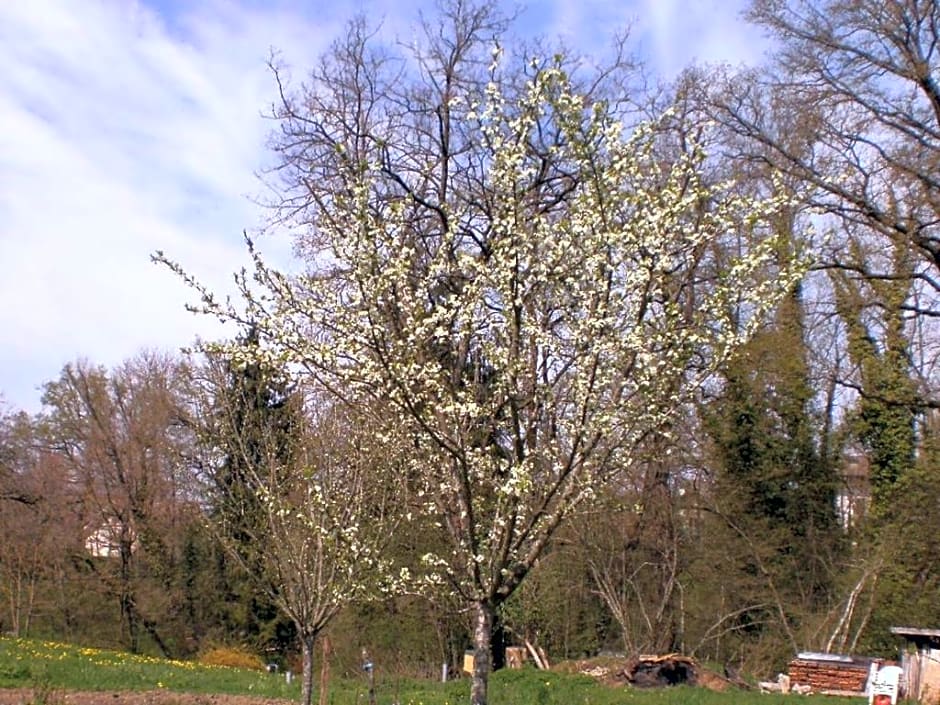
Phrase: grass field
(33, 663)
(26, 663)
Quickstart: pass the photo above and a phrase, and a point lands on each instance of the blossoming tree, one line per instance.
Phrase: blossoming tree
(531, 288)
(308, 518)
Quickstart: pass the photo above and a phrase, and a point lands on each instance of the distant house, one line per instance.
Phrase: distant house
(853, 495)
(105, 541)
(920, 663)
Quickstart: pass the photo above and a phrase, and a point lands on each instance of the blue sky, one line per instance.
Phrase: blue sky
(131, 126)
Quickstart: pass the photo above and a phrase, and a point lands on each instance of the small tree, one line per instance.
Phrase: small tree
(530, 300)
(312, 511)
(254, 419)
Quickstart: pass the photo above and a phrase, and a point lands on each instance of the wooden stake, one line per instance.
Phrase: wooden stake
(535, 655)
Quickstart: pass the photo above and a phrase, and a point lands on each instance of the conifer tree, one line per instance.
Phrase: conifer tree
(254, 415)
(775, 491)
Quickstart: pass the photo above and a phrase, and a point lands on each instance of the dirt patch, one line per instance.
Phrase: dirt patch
(27, 696)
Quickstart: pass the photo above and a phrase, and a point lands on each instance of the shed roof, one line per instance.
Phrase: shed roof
(917, 635)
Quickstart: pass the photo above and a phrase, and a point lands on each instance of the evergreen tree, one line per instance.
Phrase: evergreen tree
(774, 491)
(764, 431)
(256, 416)
(884, 420)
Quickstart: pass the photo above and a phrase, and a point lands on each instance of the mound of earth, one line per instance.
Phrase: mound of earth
(652, 671)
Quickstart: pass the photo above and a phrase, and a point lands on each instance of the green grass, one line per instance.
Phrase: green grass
(33, 663)
(47, 666)
(531, 687)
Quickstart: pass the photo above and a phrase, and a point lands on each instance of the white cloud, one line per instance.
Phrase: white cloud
(126, 128)
(120, 136)
(667, 34)
(678, 32)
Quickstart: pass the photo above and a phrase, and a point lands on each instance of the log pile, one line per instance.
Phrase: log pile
(829, 675)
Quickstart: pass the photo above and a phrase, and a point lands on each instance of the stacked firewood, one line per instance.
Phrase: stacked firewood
(824, 675)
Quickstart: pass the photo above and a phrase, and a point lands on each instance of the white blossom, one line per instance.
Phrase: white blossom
(529, 344)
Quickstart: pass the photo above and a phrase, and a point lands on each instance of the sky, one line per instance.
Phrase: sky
(131, 126)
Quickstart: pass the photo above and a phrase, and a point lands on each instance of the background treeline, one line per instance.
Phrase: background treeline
(793, 506)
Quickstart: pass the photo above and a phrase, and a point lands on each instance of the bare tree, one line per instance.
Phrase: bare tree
(634, 546)
(121, 436)
(851, 108)
(16, 435)
(36, 522)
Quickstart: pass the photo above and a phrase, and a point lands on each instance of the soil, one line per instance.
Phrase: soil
(30, 696)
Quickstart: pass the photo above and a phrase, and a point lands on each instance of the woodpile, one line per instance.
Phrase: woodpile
(825, 675)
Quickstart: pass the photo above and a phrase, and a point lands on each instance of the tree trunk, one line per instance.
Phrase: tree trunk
(482, 636)
(128, 608)
(308, 641)
(325, 670)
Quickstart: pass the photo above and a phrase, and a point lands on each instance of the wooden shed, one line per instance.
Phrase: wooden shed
(920, 662)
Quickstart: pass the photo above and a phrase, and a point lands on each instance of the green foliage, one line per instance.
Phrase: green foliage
(885, 424)
(885, 417)
(909, 579)
(407, 636)
(257, 421)
(558, 607)
(776, 532)
(764, 433)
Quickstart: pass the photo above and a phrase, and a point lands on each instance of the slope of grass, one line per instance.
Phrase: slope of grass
(44, 664)
(30, 663)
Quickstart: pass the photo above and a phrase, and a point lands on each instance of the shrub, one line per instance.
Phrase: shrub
(232, 657)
